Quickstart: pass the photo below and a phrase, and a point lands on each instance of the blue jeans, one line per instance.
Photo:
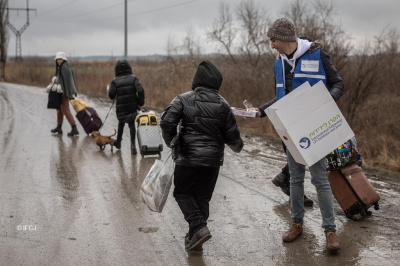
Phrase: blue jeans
(319, 179)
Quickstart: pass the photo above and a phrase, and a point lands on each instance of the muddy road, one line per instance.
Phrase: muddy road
(65, 202)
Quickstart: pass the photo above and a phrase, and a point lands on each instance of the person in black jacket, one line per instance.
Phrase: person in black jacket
(206, 124)
(301, 60)
(129, 92)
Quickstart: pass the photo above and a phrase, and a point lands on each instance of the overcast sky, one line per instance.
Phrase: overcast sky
(96, 27)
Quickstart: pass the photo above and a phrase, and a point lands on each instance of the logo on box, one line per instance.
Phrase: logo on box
(305, 143)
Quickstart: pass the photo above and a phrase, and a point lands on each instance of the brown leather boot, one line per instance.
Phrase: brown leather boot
(332, 242)
(295, 230)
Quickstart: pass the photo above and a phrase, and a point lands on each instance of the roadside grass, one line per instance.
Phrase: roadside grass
(376, 123)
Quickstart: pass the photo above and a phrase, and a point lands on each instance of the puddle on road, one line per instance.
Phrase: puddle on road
(148, 229)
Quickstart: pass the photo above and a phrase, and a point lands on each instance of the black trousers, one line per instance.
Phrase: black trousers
(285, 169)
(193, 190)
(132, 130)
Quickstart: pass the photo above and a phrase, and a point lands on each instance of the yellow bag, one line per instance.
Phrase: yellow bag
(79, 105)
(146, 119)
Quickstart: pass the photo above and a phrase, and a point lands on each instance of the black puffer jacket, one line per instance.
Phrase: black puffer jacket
(207, 121)
(128, 90)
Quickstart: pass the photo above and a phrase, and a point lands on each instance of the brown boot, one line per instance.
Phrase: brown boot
(332, 242)
(294, 232)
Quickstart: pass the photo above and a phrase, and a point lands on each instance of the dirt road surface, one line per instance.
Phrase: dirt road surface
(65, 202)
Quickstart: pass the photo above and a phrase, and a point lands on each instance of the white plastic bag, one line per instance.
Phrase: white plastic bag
(155, 187)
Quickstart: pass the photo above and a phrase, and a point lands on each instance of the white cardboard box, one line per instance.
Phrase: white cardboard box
(309, 123)
(244, 112)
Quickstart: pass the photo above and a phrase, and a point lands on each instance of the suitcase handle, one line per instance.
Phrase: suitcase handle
(140, 121)
(150, 121)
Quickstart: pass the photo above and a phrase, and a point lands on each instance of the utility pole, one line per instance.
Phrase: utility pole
(126, 31)
(18, 50)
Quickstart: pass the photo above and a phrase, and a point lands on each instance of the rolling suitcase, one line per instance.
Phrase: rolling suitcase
(148, 134)
(79, 105)
(89, 119)
(353, 191)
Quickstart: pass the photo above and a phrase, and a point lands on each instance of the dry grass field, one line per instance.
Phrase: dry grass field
(371, 102)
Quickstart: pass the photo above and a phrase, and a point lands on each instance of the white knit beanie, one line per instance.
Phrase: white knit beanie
(60, 55)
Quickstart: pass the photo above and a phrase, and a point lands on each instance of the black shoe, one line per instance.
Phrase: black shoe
(282, 181)
(117, 144)
(57, 130)
(133, 148)
(74, 131)
(187, 240)
(198, 239)
(308, 202)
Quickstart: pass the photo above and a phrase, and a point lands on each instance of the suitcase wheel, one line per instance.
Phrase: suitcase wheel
(365, 212)
(351, 217)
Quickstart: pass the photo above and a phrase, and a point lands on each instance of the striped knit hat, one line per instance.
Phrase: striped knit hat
(283, 30)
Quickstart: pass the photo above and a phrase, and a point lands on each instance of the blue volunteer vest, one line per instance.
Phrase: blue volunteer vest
(309, 68)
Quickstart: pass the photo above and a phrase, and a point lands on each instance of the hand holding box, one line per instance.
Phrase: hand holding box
(309, 123)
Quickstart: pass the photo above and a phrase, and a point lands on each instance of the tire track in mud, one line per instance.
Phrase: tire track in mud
(7, 125)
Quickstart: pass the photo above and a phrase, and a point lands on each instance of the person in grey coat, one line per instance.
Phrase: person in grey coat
(206, 124)
(65, 78)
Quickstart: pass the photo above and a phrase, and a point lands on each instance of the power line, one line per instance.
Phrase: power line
(162, 8)
(95, 11)
(51, 10)
(148, 11)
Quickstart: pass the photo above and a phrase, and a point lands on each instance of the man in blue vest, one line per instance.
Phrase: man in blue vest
(301, 60)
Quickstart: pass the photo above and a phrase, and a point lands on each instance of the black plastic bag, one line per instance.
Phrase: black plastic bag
(54, 100)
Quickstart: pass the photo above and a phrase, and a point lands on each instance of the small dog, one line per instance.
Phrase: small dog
(102, 141)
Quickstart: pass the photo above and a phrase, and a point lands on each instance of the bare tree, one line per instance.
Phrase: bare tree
(387, 48)
(172, 49)
(250, 26)
(223, 30)
(297, 12)
(316, 22)
(361, 78)
(388, 41)
(372, 72)
(4, 37)
(254, 24)
(191, 45)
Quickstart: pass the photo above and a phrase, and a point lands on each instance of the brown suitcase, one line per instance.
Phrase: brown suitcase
(353, 191)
